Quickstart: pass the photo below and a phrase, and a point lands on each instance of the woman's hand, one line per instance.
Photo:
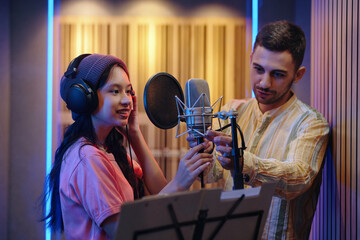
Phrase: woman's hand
(223, 144)
(133, 121)
(191, 165)
(193, 142)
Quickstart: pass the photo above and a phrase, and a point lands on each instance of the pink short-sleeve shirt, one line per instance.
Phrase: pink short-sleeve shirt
(92, 188)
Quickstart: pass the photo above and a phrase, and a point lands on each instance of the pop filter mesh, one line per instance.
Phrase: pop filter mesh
(159, 100)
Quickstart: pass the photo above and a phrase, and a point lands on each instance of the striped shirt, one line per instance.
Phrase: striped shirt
(285, 145)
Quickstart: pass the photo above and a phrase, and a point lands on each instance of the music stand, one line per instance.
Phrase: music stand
(199, 214)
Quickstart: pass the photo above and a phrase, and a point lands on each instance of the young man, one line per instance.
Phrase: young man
(285, 138)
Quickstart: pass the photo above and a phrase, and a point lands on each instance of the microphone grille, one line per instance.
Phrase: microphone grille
(193, 89)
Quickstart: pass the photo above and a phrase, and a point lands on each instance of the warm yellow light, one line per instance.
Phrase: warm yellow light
(214, 10)
(142, 8)
(149, 8)
(151, 46)
(78, 8)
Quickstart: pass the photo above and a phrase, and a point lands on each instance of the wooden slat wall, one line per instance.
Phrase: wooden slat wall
(335, 93)
(211, 49)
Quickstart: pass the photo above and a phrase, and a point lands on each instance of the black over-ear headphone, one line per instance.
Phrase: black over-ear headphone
(80, 97)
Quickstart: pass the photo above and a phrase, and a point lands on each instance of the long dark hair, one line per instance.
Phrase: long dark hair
(83, 127)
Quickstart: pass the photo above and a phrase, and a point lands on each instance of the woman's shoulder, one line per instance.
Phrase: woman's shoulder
(83, 151)
(84, 157)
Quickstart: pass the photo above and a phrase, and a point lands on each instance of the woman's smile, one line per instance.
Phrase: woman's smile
(124, 113)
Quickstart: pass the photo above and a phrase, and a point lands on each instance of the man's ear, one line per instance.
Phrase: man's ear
(299, 74)
(251, 55)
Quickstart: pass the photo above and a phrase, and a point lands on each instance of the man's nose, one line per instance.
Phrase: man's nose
(265, 81)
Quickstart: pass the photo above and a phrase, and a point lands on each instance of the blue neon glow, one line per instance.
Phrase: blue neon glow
(255, 20)
(49, 98)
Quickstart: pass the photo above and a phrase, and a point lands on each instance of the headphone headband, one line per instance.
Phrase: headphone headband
(73, 66)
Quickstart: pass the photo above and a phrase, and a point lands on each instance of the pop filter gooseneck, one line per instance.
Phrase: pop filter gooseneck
(159, 100)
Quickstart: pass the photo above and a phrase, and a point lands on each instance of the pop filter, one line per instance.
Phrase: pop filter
(159, 100)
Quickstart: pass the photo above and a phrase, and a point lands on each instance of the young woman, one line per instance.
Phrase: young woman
(92, 175)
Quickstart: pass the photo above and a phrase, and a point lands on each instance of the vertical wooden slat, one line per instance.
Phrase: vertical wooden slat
(230, 87)
(320, 103)
(332, 118)
(353, 71)
(328, 95)
(214, 78)
(337, 126)
(324, 110)
(313, 47)
(357, 116)
(315, 226)
(348, 8)
(221, 63)
(344, 163)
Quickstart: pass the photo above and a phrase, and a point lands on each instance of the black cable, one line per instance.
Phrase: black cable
(243, 147)
(132, 165)
(128, 138)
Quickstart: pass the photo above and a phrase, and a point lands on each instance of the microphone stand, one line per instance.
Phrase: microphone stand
(236, 154)
(199, 141)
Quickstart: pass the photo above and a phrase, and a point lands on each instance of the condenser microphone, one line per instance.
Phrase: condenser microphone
(165, 107)
(198, 112)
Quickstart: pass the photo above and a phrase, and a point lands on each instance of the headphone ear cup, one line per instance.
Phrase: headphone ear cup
(81, 98)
